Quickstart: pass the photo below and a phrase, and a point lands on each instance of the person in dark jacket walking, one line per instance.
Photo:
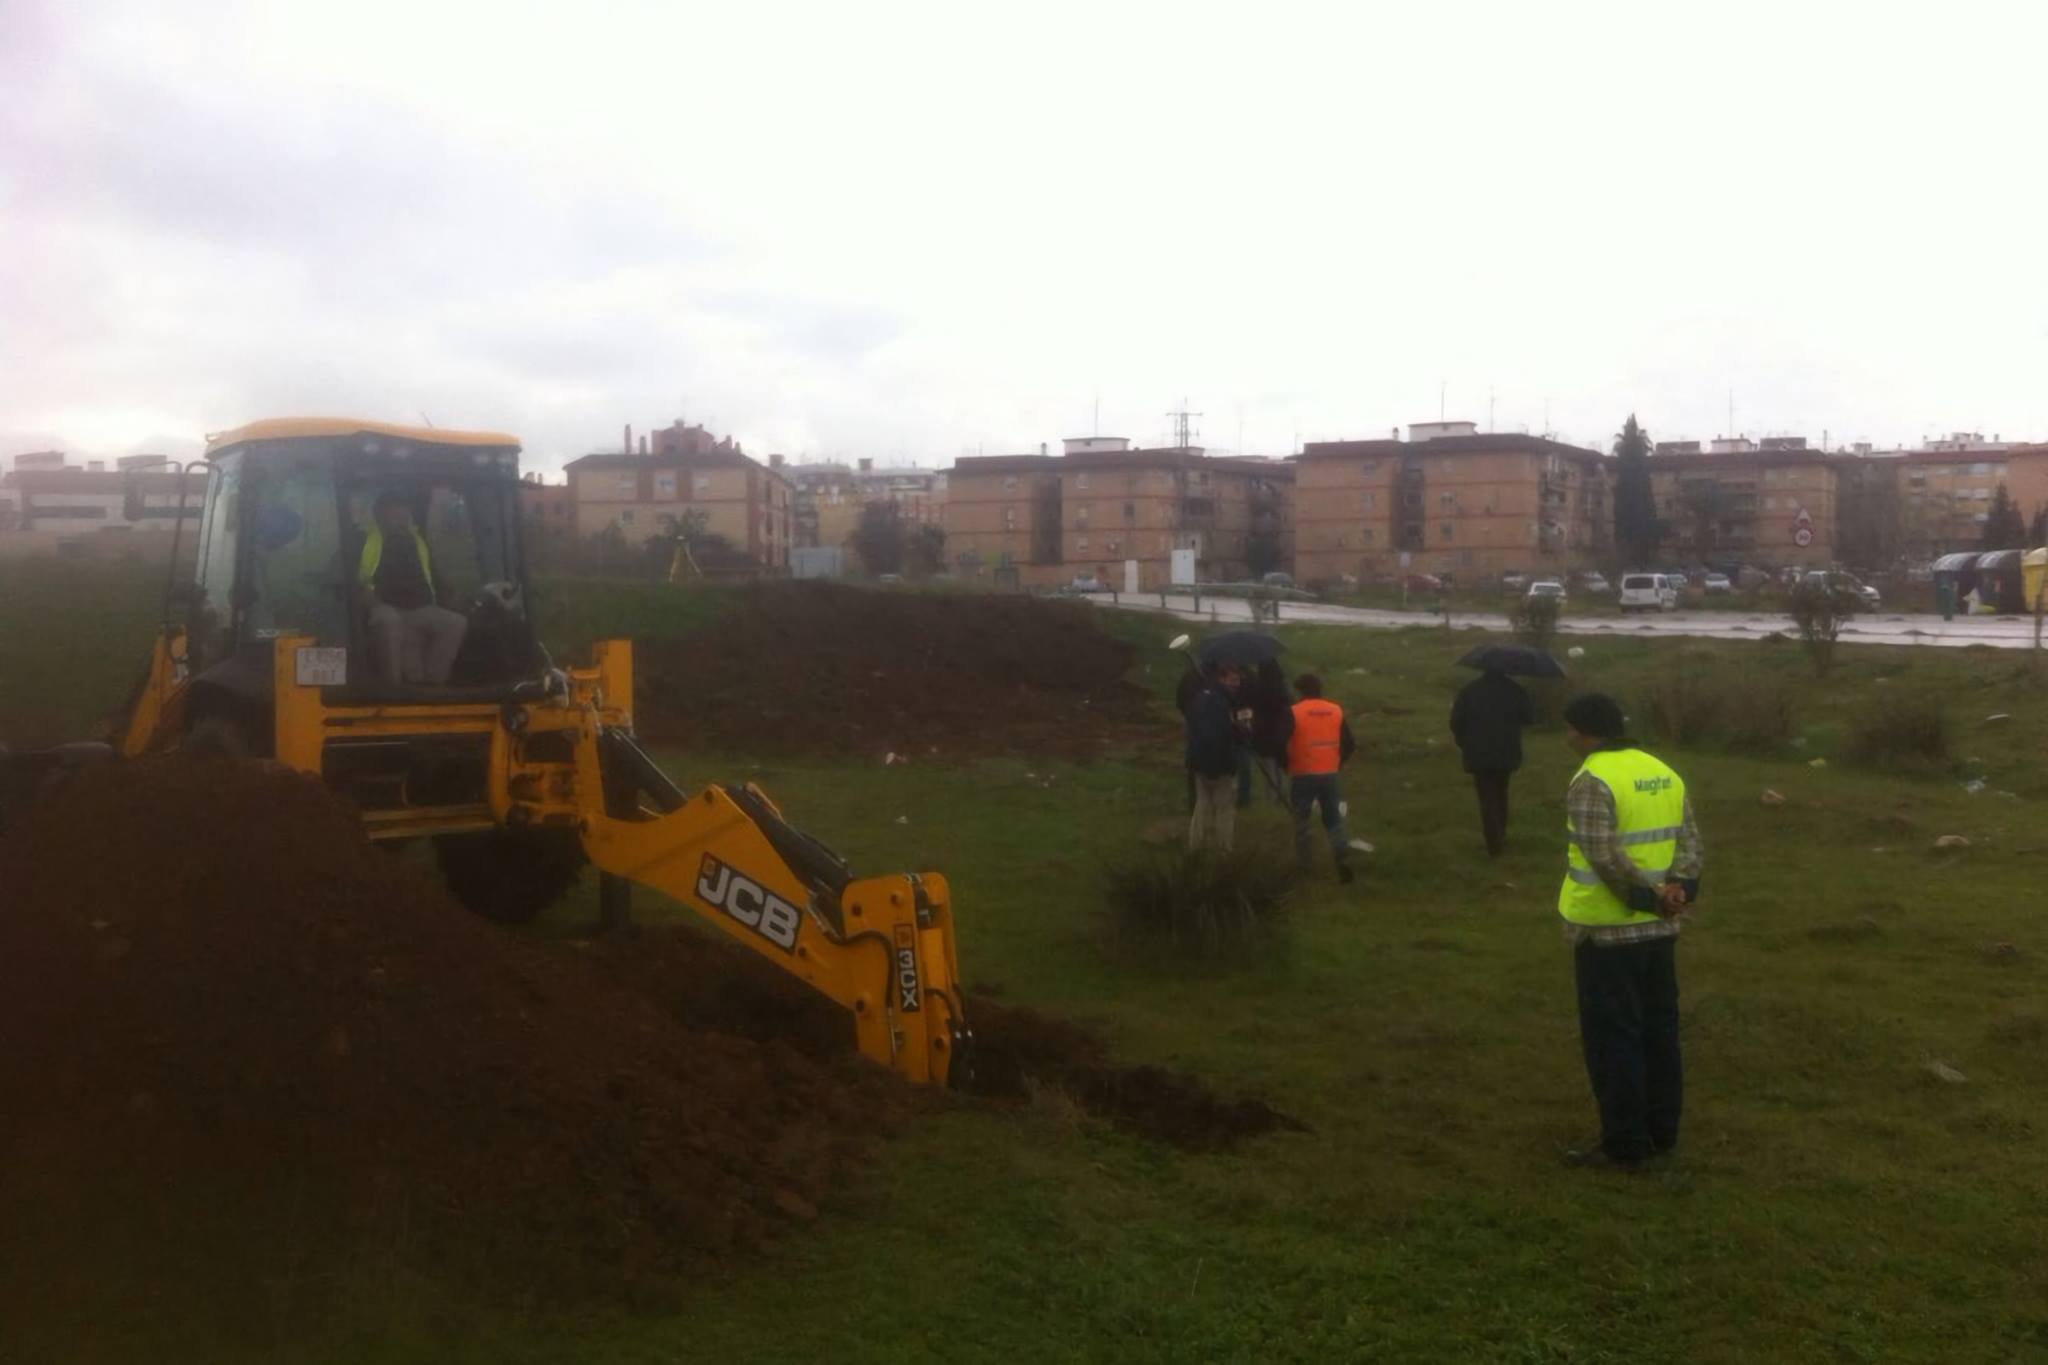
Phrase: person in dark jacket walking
(1487, 720)
(1271, 726)
(1212, 758)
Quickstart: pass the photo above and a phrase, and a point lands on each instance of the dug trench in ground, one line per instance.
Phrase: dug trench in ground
(708, 985)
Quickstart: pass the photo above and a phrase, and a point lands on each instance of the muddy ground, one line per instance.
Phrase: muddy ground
(240, 1009)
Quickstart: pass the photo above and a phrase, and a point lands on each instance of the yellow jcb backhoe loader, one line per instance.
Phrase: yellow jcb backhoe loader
(518, 770)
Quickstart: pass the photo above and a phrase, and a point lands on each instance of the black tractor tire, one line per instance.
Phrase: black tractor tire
(218, 736)
(509, 876)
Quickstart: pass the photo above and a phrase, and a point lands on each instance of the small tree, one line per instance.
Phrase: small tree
(1262, 551)
(2037, 529)
(1535, 621)
(2004, 527)
(1636, 528)
(926, 551)
(879, 538)
(1820, 610)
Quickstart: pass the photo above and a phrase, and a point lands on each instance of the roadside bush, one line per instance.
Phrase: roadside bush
(1535, 621)
(1898, 730)
(1820, 612)
(1201, 903)
(1740, 710)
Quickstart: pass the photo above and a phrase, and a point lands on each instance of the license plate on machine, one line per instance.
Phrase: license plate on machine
(322, 666)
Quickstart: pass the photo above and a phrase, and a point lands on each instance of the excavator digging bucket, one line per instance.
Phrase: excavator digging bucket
(33, 775)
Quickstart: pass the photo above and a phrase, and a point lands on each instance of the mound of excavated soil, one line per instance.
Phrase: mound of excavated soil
(816, 668)
(218, 990)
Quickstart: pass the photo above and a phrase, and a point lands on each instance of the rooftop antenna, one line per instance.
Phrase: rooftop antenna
(1441, 385)
(1183, 426)
(1098, 414)
(1731, 413)
(424, 418)
(1489, 407)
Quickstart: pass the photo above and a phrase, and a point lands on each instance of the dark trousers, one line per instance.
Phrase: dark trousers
(1305, 794)
(1492, 787)
(1628, 1022)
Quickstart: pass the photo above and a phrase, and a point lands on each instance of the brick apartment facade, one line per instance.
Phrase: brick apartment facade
(1776, 506)
(644, 496)
(830, 496)
(1456, 501)
(1049, 518)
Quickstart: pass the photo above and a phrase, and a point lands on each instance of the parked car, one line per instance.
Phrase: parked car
(1276, 579)
(1679, 582)
(1647, 592)
(1422, 582)
(1547, 587)
(1087, 582)
(1514, 580)
(1716, 583)
(1866, 597)
(1595, 582)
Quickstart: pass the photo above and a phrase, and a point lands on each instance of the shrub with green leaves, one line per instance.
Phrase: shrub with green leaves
(1902, 730)
(1204, 903)
(1694, 707)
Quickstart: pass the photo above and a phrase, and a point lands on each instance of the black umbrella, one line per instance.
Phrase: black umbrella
(1522, 659)
(1245, 648)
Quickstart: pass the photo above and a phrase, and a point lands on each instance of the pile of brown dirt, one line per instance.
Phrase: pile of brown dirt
(224, 1003)
(816, 668)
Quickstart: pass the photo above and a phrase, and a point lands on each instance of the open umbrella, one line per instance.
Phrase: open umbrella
(1245, 648)
(1522, 659)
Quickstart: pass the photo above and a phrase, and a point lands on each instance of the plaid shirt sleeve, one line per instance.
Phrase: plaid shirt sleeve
(1691, 853)
(1589, 805)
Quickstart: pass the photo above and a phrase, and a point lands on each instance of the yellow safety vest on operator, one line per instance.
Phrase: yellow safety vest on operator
(1649, 809)
(373, 555)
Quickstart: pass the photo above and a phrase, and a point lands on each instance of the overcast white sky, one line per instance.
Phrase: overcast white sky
(921, 230)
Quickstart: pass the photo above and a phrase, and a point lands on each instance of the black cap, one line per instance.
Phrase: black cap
(1596, 714)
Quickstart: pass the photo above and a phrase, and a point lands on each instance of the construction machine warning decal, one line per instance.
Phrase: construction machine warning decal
(909, 985)
(747, 901)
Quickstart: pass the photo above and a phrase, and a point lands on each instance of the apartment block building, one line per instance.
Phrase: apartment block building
(1945, 495)
(1100, 507)
(1773, 502)
(46, 502)
(830, 496)
(1452, 500)
(646, 495)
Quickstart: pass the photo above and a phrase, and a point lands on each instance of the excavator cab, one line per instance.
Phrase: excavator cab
(360, 612)
(293, 539)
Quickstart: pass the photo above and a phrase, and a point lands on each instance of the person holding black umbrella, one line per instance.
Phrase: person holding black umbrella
(1212, 747)
(1487, 721)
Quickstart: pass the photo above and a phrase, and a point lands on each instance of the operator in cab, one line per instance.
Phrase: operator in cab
(412, 638)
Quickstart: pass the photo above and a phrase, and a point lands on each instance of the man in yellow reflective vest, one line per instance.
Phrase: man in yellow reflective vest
(1632, 867)
(412, 639)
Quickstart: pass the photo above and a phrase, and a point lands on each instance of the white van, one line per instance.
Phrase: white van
(1647, 592)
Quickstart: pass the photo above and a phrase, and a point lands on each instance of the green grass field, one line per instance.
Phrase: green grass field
(1834, 1200)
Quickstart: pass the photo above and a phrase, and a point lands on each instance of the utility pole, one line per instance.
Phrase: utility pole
(1489, 407)
(1441, 385)
(1183, 426)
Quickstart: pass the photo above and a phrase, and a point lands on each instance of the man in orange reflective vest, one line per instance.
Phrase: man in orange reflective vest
(1321, 743)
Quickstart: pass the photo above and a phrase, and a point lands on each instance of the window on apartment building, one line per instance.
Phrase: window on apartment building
(1009, 482)
(664, 485)
(1081, 544)
(1081, 516)
(1081, 482)
(1365, 536)
(1112, 547)
(1447, 502)
(1447, 529)
(1980, 469)
(1130, 511)
(1982, 495)
(1370, 500)
(1009, 518)
(626, 485)
(1369, 467)
(626, 517)
(701, 483)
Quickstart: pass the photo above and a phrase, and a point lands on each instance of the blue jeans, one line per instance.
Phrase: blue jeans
(1305, 793)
